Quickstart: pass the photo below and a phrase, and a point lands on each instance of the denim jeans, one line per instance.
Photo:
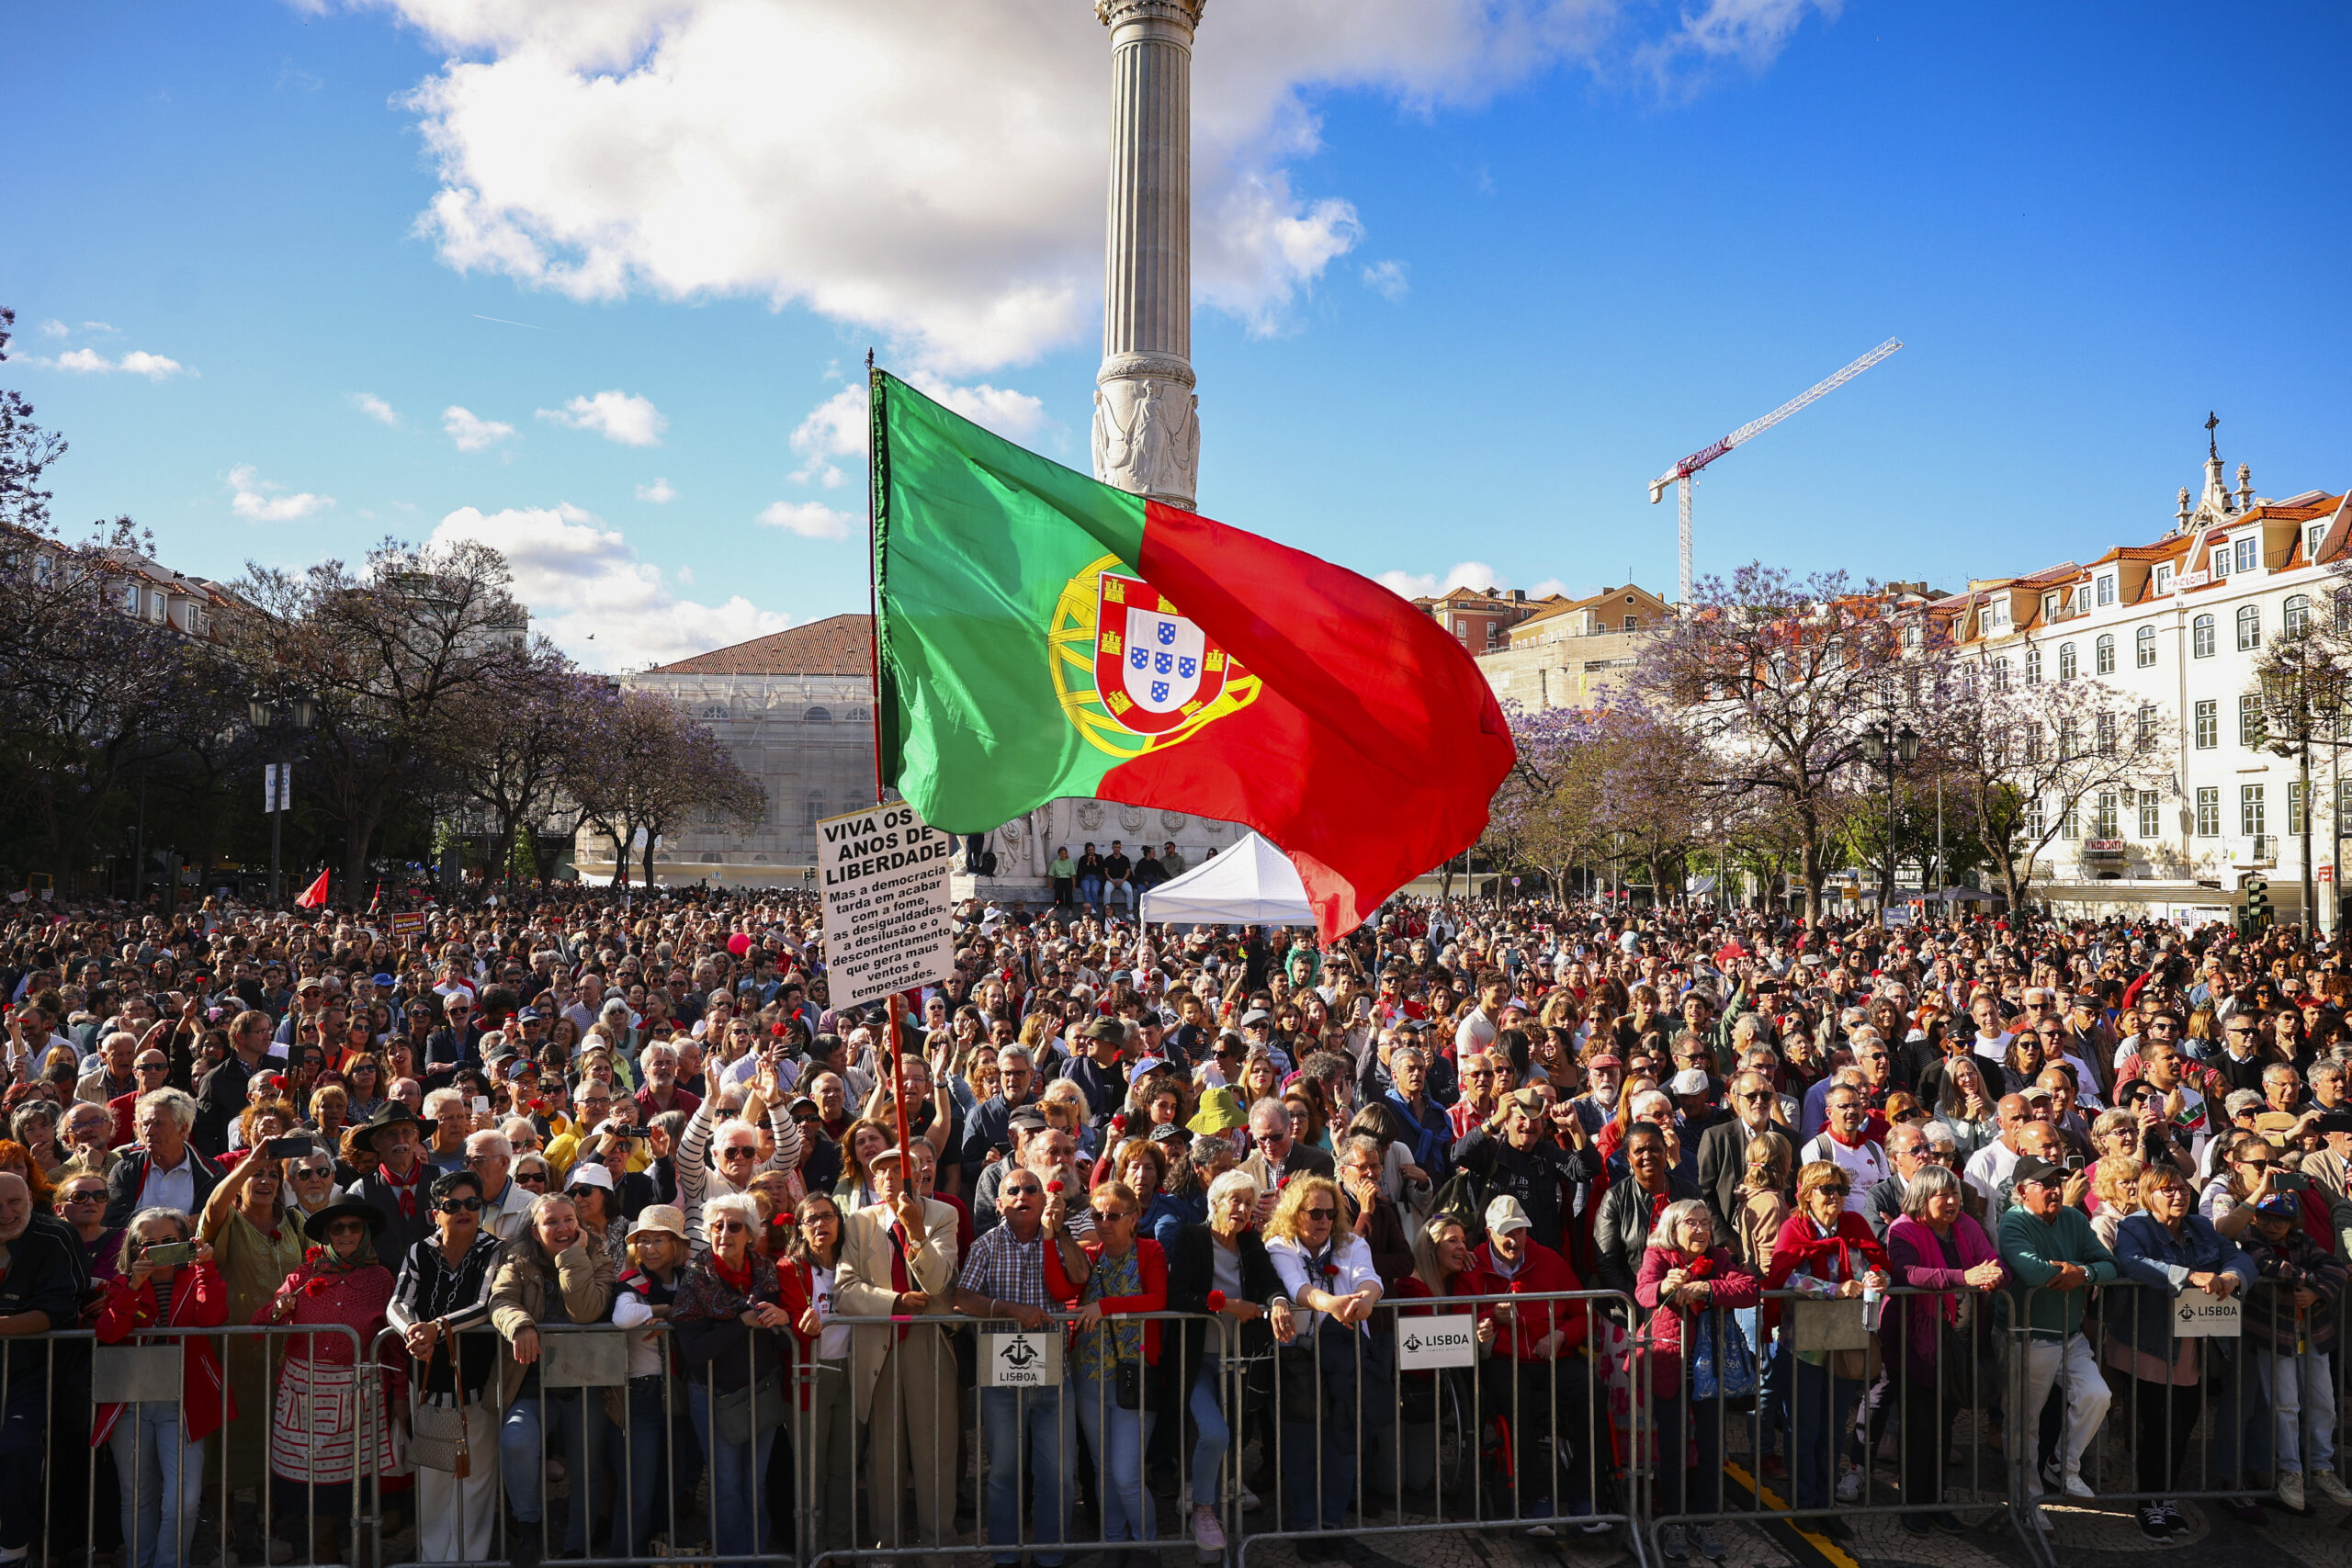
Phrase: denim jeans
(573, 1424)
(2302, 1402)
(739, 1496)
(1089, 890)
(639, 1455)
(1049, 1453)
(1209, 1447)
(161, 1481)
(1116, 1437)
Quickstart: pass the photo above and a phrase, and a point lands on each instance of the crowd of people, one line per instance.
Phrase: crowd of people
(1215, 1168)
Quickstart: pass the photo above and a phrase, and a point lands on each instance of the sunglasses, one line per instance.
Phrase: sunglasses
(313, 1170)
(531, 1178)
(346, 1227)
(99, 1196)
(1320, 1213)
(727, 1227)
(460, 1206)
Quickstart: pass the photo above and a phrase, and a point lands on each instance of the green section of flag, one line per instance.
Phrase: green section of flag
(975, 542)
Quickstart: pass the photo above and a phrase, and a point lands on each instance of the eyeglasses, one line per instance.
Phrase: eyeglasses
(1019, 1192)
(739, 1151)
(1112, 1216)
(1320, 1213)
(727, 1227)
(460, 1206)
(532, 1177)
(87, 1195)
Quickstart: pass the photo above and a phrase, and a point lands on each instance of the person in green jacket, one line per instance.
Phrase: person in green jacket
(2054, 1258)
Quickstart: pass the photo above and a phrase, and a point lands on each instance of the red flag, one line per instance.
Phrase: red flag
(315, 894)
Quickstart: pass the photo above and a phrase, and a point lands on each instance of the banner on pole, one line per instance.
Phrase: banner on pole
(277, 788)
(884, 873)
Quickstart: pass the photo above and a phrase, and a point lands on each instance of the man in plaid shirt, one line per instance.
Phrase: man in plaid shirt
(1003, 1282)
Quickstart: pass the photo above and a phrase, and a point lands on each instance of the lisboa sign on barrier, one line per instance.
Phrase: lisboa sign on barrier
(1428, 1343)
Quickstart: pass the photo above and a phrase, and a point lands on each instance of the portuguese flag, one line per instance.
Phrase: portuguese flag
(1040, 634)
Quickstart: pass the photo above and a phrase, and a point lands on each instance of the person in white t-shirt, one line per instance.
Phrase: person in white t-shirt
(1845, 1142)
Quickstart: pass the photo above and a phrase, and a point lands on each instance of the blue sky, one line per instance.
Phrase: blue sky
(1464, 289)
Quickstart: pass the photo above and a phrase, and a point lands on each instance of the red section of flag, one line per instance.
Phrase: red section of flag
(315, 894)
(1373, 752)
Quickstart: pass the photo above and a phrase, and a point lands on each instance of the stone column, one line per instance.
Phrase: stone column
(1146, 424)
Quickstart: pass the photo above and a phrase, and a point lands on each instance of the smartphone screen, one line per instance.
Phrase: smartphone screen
(481, 1105)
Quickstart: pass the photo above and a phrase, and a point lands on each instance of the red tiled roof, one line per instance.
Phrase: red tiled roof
(838, 645)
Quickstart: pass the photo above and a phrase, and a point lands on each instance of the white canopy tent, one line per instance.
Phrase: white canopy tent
(1251, 884)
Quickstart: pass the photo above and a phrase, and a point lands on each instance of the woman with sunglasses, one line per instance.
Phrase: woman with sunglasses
(556, 1271)
(1326, 1270)
(325, 1401)
(82, 1204)
(254, 1247)
(442, 1292)
(1117, 1362)
(159, 1445)
(730, 1325)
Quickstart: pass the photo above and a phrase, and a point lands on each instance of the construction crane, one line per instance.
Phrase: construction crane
(1684, 475)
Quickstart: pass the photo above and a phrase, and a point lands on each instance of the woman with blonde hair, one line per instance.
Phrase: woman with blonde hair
(860, 1142)
(2115, 1183)
(1764, 1202)
(555, 1271)
(1327, 1273)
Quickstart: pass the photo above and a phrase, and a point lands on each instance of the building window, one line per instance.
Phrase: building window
(2050, 606)
(2250, 813)
(2083, 600)
(2295, 805)
(2209, 724)
(2246, 547)
(2312, 535)
(131, 597)
(2033, 666)
(2152, 821)
(2104, 822)
(2068, 823)
(2163, 579)
(2000, 677)
(857, 715)
(2201, 637)
(2107, 743)
(2299, 615)
(2146, 729)
(817, 715)
(2036, 824)
(2221, 562)
(2103, 660)
(1461, 627)
(2143, 647)
(2209, 811)
(40, 572)
(812, 810)
(2107, 589)
(1632, 623)
(2249, 629)
(2070, 738)
(2252, 730)
(2000, 615)
(2066, 661)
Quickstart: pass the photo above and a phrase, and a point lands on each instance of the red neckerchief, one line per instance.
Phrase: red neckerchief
(901, 1281)
(1658, 1204)
(406, 1188)
(1845, 1144)
(1814, 1247)
(741, 1278)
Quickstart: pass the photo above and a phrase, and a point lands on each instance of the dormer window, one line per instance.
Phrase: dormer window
(1997, 615)
(2163, 579)
(2107, 588)
(2245, 553)
(2311, 537)
(2221, 562)
(2083, 600)
(2050, 606)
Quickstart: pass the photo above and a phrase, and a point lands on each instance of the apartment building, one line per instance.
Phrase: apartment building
(1483, 619)
(1574, 652)
(2181, 624)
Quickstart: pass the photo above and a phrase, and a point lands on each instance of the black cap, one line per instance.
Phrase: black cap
(2033, 1168)
(2336, 1121)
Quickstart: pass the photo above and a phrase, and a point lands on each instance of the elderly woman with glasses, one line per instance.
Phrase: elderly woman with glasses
(256, 1246)
(1934, 1246)
(1117, 1362)
(731, 1323)
(329, 1397)
(1827, 1248)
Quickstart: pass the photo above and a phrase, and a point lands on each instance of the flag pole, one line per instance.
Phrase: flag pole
(874, 613)
(894, 1004)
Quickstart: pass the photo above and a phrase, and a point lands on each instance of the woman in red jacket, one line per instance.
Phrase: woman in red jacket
(159, 1448)
(1691, 1284)
(1130, 1276)
(1825, 1249)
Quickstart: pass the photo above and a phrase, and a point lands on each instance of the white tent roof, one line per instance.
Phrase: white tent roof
(1250, 883)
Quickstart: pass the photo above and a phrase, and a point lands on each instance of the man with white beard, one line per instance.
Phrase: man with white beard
(1604, 1076)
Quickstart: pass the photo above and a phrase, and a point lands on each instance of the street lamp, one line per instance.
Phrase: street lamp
(1889, 750)
(284, 723)
(2301, 690)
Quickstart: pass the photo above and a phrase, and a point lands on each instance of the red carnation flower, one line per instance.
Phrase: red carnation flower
(1216, 1300)
(312, 1253)
(317, 1285)
(1330, 1270)
(1053, 1186)
(1119, 1122)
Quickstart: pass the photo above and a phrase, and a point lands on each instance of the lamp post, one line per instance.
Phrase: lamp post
(2304, 689)
(284, 723)
(1889, 750)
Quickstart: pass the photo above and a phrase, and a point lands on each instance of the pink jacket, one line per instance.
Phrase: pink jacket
(1735, 1286)
(1916, 1260)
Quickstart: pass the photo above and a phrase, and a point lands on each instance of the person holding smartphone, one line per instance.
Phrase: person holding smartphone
(167, 1281)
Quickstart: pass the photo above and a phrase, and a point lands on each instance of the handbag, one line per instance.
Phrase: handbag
(1130, 1385)
(1721, 1364)
(436, 1433)
(751, 1410)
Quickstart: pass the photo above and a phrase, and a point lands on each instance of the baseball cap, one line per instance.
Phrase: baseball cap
(1028, 1119)
(2033, 1168)
(1690, 1080)
(588, 1173)
(1606, 1059)
(1505, 1215)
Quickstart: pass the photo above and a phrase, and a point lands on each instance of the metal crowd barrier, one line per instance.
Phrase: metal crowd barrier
(94, 1457)
(1830, 1387)
(1418, 1421)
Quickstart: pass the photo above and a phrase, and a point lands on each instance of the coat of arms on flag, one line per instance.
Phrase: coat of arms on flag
(1157, 677)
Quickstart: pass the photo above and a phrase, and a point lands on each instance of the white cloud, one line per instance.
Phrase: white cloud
(1388, 279)
(588, 590)
(138, 362)
(55, 328)
(1749, 33)
(471, 432)
(1550, 586)
(257, 499)
(658, 492)
(809, 519)
(615, 415)
(104, 327)
(1462, 574)
(685, 575)
(376, 409)
(934, 173)
(836, 427)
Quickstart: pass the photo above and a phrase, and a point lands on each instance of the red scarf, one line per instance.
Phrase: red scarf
(1850, 1143)
(406, 1188)
(740, 1279)
(1814, 1249)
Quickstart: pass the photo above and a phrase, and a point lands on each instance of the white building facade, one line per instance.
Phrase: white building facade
(2182, 625)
